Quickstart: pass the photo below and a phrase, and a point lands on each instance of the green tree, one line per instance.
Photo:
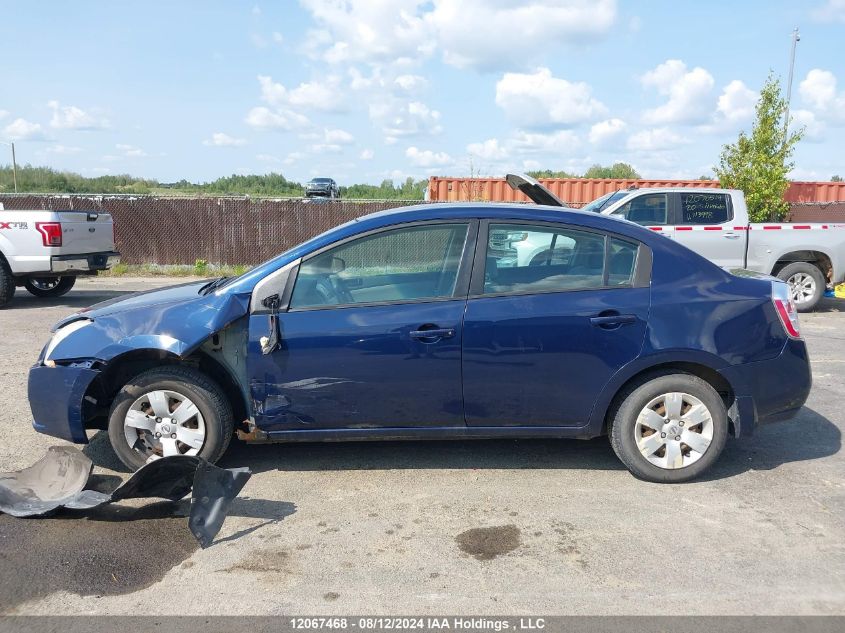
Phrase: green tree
(836, 179)
(758, 164)
(548, 173)
(617, 170)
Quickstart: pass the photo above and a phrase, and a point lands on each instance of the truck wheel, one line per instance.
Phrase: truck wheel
(170, 411)
(806, 282)
(669, 428)
(49, 286)
(7, 283)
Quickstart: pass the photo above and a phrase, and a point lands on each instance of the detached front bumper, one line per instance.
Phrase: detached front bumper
(89, 262)
(56, 397)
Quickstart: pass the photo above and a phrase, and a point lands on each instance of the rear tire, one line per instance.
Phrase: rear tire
(7, 283)
(806, 282)
(142, 409)
(669, 428)
(46, 287)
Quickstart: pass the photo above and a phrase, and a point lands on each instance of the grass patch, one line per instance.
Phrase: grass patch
(200, 269)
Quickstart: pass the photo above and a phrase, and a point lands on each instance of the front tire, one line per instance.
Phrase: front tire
(669, 428)
(170, 411)
(45, 287)
(806, 282)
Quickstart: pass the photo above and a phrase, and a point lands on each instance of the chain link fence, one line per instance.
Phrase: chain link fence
(241, 230)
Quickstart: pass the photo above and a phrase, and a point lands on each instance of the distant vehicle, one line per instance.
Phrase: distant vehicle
(414, 323)
(44, 251)
(322, 188)
(714, 223)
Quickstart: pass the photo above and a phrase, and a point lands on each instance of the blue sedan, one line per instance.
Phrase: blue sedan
(421, 323)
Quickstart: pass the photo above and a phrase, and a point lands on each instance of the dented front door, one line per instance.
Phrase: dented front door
(370, 334)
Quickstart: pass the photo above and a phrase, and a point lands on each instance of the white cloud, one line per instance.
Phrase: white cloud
(63, 149)
(325, 94)
(22, 130)
(427, 158)
(258, 40)
(539, 100)
(368, 30)
(367, 154)
(688, 93)
(490, 150)
(561, 142)
(3, 114)
(736, 103)
(813, 128)
(399, 118)
(278, 38)
(605, 131)
(818, 90)
(499, 35)
(267, 158)
(411, 83)
(655, 140)
(293, 158)
(469, 33)
(219, 139)
(131, 151)
(73, 118)
(339, 137)
(266, 119)
(830, 10)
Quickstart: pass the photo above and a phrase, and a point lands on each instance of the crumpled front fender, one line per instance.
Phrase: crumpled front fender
(176, 328)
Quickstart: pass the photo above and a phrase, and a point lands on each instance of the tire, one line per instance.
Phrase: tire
(806, 282)
(45, 287)
(208, 429)
(628, 432)
(7, 283)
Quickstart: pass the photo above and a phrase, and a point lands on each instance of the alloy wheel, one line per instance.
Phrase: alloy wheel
(803, 287)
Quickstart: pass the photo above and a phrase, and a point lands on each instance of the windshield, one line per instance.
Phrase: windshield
(321, 181)
(605, 201)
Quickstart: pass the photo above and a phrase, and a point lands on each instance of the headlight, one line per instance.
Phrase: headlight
(63, 333)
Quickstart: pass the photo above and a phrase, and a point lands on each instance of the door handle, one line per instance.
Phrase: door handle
(730, 236)
(613, 321)
(433, 335)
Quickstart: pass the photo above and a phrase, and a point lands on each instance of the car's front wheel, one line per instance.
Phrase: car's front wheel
(49, 286)
(669, 428)
(169, 411)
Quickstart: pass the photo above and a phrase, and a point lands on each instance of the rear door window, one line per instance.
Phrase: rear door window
(651, 209)
(705, 208)
(533, 259)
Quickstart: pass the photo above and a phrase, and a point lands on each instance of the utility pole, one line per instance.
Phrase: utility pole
(14, 169)
(795, 39)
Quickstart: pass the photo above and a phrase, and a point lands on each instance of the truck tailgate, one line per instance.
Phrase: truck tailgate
(85, 232)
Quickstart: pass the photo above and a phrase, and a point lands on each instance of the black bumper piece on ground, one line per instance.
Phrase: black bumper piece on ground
(59, 478)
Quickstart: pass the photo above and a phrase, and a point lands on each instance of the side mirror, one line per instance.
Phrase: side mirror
(337, 266)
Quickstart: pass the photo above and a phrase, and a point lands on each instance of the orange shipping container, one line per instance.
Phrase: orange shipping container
(579, 191)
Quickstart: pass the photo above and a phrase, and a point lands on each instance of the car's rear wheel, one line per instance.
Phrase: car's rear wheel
(170, 411)
(49, 286)
(806, 282)
(669, 428)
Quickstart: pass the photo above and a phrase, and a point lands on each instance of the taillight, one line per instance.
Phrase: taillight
(785, 307)
(51, 233)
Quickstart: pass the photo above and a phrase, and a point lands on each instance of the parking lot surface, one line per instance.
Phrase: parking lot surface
(483, 527)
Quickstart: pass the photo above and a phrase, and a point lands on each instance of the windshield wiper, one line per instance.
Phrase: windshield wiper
(207, 288)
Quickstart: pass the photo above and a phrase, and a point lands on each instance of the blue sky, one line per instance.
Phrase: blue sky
(364, 90)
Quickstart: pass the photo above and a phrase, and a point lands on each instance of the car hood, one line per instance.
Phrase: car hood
(139, 300)
(176, 319)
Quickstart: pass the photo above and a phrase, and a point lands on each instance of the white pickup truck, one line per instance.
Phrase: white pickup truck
(714, 223)
(45, 251)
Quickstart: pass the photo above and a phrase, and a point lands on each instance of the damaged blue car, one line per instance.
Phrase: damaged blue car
(422, 323)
